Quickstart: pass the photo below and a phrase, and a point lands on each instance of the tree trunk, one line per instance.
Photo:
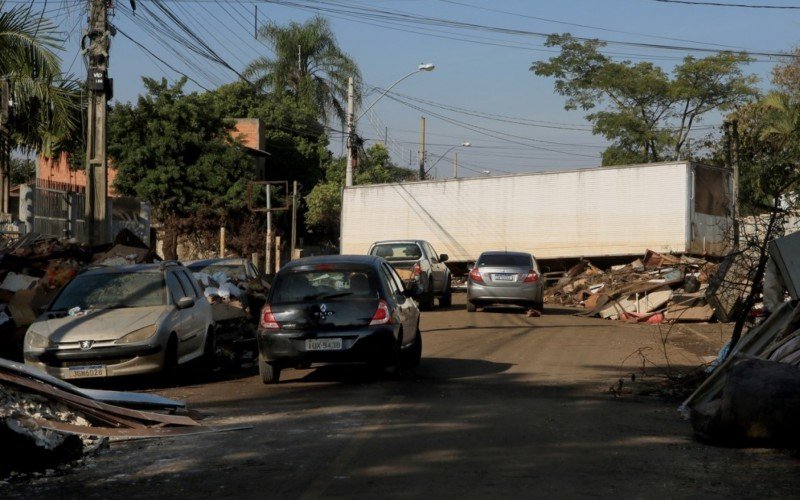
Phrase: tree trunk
(170, 247)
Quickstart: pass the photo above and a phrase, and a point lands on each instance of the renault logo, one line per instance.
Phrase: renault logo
(86, 344)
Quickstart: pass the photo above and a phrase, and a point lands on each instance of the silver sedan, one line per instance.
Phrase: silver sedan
(505, 278)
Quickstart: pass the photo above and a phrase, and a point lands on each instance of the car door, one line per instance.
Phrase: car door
(178, 318)
(198, 317)
(439, 269)
(407, 308)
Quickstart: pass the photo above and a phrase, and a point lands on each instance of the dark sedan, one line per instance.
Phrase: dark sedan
(338, 308)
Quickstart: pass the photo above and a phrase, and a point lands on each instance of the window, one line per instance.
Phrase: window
(189, 285)
(112, 290)
(175, 288)
(397, 251)
(393, 280)
(504, 260)
(333, 283)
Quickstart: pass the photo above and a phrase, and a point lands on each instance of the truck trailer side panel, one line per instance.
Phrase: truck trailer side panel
(581, 213)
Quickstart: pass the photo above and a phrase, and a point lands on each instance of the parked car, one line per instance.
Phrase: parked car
(338, 308)
(505, 278)
(417, 261)
(127, 320)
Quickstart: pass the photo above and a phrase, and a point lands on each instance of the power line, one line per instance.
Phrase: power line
(735, 5)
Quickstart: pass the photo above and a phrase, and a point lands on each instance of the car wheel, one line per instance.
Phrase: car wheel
(413, 353)
(394, 363)
(270, 372)
(170, 369)
(427, 298)
(446, 300)
(538, 306)
(471, 307)
(210, 351)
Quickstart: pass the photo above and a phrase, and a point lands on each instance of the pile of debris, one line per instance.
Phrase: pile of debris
(752, 396)
(48, 422)
(35, 267)
(654, 289)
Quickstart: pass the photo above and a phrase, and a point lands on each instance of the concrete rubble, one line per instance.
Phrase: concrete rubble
(656, 288)
(48, 422)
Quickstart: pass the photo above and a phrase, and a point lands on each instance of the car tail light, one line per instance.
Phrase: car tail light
(382, 316)
(475, 275)
(416, 269)
(268, 321)
(532, 277)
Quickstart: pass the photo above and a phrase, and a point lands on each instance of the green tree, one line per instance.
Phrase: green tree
(325, 202)
(175, 151)
(45, 103)
(647, 115)
(308, 64)
(23, 170)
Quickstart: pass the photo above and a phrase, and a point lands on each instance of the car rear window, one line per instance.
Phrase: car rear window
(397, 251)
(112, 290)
(324, 283)
(505, 260)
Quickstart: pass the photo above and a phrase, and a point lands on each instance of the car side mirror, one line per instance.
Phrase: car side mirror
(470, 267)
(443, 257)
(184, 303)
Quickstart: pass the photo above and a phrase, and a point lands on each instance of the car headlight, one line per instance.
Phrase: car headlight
(138, 335)
(36, 340)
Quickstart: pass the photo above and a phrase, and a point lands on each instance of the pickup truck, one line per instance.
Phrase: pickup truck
(416, 260)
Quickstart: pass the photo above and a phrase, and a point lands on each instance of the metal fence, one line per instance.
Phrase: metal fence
(58, 208)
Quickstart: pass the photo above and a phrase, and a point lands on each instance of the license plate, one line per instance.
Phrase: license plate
(86, 371)
(505, 277)
(324, 344)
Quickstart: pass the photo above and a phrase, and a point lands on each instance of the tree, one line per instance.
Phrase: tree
(23, 170)
(786, 76)
(176, 152)
(45, 103)
(647, 115)
(325, 201)
(308, 64)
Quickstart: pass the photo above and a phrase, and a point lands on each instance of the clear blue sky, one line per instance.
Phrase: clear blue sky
(482, 71)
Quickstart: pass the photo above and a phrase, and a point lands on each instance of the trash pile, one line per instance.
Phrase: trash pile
(752, 396)
(48, 422)
(35, 267)
(657, 288)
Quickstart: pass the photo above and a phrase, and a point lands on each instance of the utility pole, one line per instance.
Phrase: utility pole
(5, 146)
(268, 250)
(351, 132)
(422, 148)
(99, 90)
(294, 219)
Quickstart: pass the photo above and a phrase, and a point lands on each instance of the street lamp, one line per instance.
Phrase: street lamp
(464, 144)
(352, 119)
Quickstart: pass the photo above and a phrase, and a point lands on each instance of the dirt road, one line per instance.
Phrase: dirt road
(502, 406)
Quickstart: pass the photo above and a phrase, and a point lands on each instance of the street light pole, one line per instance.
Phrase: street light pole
(464, 144)
(352, 119)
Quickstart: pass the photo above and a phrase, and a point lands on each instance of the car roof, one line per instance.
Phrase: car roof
(133, 268)
(218, 261)
(503, 252)
(385, 242)
(369, 260)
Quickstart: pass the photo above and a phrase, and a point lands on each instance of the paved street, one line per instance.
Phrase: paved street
(502, 406)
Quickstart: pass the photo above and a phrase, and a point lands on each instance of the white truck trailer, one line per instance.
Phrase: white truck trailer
(679, 207)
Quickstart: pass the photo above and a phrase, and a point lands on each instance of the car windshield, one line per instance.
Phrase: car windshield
(234, 272)
(324, 284)
(504, 260)
(112, 290)
(397, 251)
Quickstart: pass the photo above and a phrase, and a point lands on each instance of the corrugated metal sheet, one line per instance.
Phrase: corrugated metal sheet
(580, 213)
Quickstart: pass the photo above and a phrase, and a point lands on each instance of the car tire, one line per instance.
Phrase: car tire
(471, 307)
(413, 353)
(210, 351)
(270, 372)
(394, 363)
(170, 368)
(446, 300)
(538, 306)
(427, 298)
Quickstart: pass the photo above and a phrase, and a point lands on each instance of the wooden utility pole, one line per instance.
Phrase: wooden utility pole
(5, 146)
(294, 221)
(99, 92)
(422, 148)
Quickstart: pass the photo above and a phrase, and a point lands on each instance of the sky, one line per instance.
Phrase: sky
(482, 90)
